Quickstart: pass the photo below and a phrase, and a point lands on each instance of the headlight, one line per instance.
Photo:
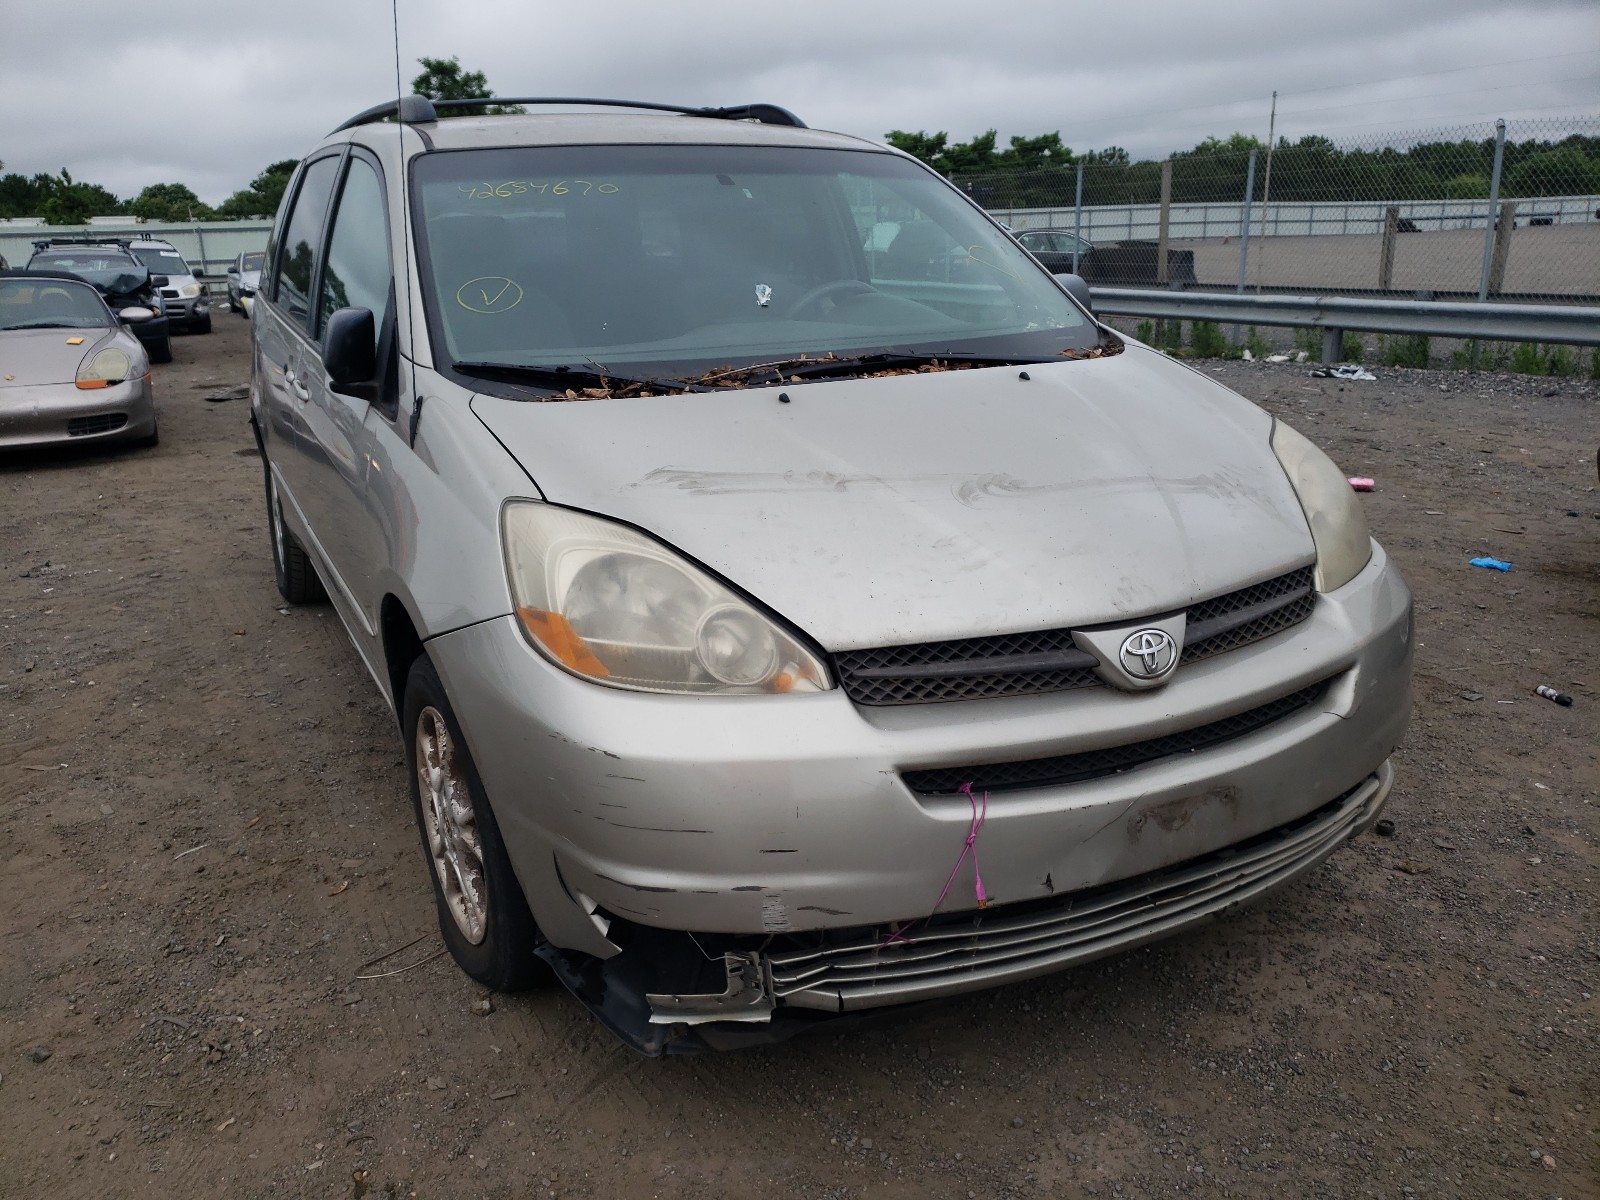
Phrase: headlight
(615, 607)
(104, 368)
(189, 291)
(1338, 526)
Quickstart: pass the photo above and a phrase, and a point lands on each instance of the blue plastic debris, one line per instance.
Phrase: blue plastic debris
(1493, 564)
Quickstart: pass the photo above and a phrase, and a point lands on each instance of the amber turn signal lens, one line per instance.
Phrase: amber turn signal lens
(556, 634)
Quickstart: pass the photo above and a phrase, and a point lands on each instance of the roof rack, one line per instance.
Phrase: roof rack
(124, 242)
(419, 110)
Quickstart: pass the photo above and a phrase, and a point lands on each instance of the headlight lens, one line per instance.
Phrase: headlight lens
(104, 368)
(615, 607)
(1338, 526)
(189, 291)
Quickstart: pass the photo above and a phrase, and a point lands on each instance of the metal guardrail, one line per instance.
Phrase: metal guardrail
(1568, 324)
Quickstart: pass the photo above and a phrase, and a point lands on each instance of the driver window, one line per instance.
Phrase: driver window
(358, 267)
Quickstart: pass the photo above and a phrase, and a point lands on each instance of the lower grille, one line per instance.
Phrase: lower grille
(966, 951)
(1048, 660)
(1111, 760)
(104, 423)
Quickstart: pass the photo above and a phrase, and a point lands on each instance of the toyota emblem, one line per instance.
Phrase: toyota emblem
(1148, 654)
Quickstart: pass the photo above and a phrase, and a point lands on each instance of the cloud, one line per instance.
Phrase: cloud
(212, 91)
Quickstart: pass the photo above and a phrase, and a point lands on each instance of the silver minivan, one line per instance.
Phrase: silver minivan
(793, 601)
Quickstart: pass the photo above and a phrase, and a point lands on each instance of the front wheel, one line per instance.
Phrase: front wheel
(161, 352)
(483, 915)
(203, 325)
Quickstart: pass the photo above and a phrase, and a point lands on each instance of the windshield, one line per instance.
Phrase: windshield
(163, 262)
(669, 260)
(109, 270)
(50, 304)
(251, 262)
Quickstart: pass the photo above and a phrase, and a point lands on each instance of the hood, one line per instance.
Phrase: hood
(43, 356)
(875, 512)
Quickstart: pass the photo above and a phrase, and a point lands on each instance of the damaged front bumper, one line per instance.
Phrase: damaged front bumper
(773, 988)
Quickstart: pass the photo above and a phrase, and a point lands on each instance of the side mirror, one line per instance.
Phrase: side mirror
(1075, 287)
(349, 353)
(133, 313)
(159, 281)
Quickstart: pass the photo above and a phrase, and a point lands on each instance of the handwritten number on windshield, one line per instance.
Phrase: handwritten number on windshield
(520, 187)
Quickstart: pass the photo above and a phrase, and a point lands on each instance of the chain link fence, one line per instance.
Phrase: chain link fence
(1469, 213)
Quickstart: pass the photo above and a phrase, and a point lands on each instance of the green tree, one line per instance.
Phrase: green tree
(170, 202)
(21, 196)
(443, 79)
(1562, 171)
(65, 201)
(262, 197)
(980, 154)
(929, 147)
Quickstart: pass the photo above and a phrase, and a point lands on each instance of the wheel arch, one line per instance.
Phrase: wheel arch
(402, 645)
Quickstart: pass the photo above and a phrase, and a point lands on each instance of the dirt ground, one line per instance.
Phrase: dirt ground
(220, 973)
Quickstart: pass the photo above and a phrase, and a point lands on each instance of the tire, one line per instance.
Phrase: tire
(298, 581)
(483, 915)
(161, 352)
(233, 305)
(203, 325)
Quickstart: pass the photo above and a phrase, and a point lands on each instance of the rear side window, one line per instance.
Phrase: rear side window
(357, 271)
(300, 238)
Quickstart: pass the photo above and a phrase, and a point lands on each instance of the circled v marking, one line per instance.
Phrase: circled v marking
(489, 294)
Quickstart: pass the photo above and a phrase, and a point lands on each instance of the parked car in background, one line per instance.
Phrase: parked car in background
(1055, 248)
(244, 276)
(741, 569)
(69, 369)
(121, 277)
(1125, 264)
(183, 295)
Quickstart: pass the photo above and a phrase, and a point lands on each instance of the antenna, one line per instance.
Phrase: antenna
(404, 298)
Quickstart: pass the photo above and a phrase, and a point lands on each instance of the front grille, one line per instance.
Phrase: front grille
(170, 293)
(1016, 664)
(861, 968)
(1248, 615)
(1024, 664)
(104, 423)
(1110, 760)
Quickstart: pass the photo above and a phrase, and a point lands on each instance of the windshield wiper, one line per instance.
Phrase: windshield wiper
(825, 365)
(564, 378)
(42, 325)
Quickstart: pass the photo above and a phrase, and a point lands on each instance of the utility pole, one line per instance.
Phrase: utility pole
(1266, 182)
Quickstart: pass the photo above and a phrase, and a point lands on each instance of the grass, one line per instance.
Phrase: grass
(1207, 340)
(1407, 350)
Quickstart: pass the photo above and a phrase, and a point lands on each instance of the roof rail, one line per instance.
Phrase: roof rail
(419, 110)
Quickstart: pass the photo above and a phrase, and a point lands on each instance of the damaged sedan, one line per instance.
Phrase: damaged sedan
(793, 601)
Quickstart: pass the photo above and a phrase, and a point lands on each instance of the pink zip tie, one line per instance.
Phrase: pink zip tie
(979, 816)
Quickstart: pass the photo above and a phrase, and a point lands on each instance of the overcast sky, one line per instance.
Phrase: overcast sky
(207, 92)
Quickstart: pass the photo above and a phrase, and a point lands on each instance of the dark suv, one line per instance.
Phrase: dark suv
(117, 273)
